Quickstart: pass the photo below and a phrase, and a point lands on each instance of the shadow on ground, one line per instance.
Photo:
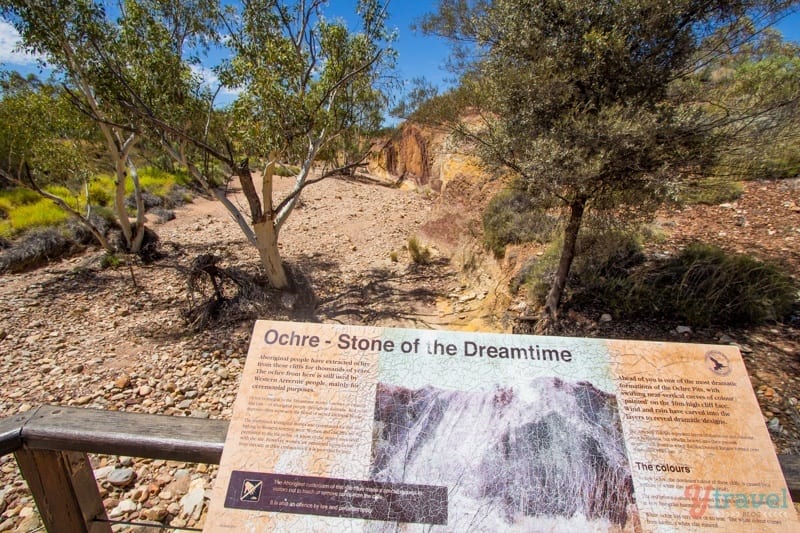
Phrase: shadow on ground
(383, 296)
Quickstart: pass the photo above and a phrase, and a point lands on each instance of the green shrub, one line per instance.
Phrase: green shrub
(110, 261)
(155, 181)
(11, 198)
(601, 264)
(41, 214)
(537, 275)
(514, 217)
(420, 254)
(702, 285)
(101, 190)
(706, 285)
(73, 199)
(6, 229)
(710, 191)
(773, 162)
(784, 166)
(24, 209)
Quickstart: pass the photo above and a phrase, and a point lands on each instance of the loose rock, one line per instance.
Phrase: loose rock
(121, 477)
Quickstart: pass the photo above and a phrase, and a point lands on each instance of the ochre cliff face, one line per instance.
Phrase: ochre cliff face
(407, 156)
(424, 157)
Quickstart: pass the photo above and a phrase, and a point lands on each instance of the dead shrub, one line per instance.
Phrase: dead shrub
(220, 295)
(35, 249)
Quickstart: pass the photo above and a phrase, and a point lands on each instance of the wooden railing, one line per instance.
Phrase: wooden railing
(50, 445)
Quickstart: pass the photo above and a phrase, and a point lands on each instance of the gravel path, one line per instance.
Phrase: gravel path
(75, 334)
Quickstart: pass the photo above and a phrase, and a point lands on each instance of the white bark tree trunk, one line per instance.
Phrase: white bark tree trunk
(267, 232)
(138, 233)
(267, 244)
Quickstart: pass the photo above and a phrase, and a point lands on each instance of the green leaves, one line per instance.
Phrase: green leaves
(304, 78)
(42, 136)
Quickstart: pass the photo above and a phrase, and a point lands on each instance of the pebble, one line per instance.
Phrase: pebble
(83, 400)
(121, 477)
(725, 339)
(157, 513)
(192, 502)
(123, 507)
(30, 523)
(123, 381)
(102, 472)
(774, 425)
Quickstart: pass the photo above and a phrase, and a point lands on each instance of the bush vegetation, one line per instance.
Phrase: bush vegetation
(286, 171)
(603, 259)
(513, 216)
(706, 285)
(700, 286)
(39, 214)
(23, 209)
(710, 191)
(419, 253)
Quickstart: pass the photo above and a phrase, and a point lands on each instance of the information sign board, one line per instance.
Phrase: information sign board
(351, 428)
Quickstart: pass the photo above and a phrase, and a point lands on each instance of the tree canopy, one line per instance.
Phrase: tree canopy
(580, 100)
(306, 86)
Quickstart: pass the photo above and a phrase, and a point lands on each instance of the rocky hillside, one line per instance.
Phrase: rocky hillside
(74, 333)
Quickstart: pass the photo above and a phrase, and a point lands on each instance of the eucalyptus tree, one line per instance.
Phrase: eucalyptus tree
(307, 84)
(578, 99)
(755, 92)
(69, 34)
(45, 140)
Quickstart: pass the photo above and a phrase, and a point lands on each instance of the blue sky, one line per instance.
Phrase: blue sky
(418, 55)
(790, 27)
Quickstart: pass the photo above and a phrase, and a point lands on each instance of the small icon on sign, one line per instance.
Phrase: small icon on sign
(718, 363)
(251, 490)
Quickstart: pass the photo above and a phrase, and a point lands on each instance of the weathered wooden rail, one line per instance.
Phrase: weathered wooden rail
(50, 445)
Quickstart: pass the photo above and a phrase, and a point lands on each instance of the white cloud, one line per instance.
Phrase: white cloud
(9, 42)
(210, 79)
